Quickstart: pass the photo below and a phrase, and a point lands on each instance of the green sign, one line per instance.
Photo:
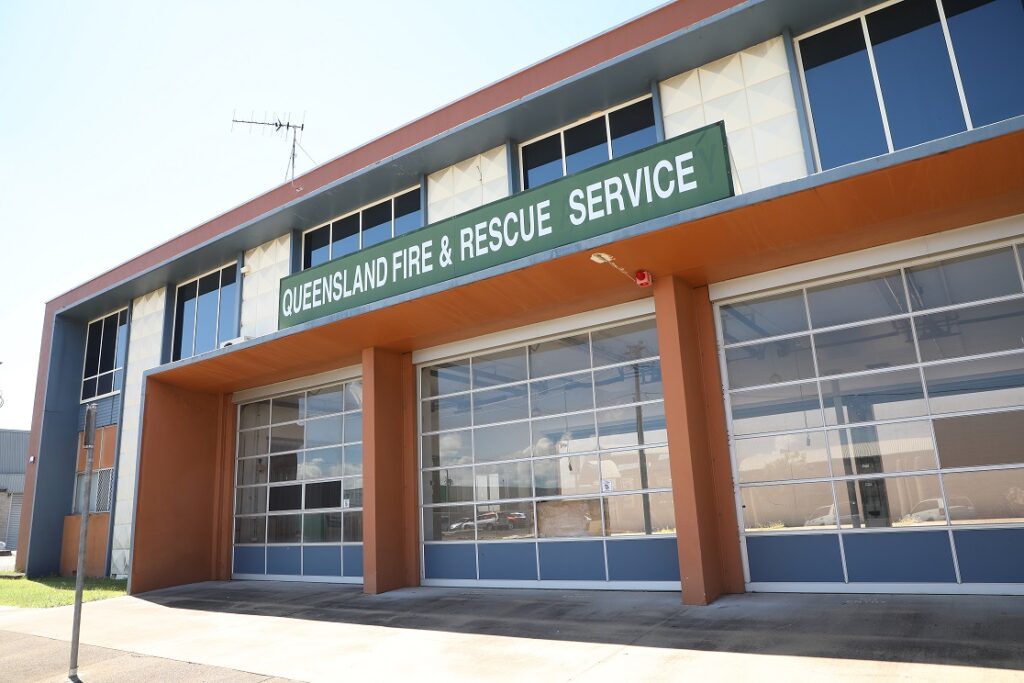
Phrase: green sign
(674, 175)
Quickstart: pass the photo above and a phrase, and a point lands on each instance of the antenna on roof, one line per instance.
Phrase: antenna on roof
(277, 124)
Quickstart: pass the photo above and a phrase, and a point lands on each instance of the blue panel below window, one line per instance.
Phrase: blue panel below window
(643, 559)
(353, 564)
(321, 560)
(900, 557)
(516, 561)
(990, 555)
(249, 560)
(449, 561)
(572, 561)
(284, 559)
(795, 558)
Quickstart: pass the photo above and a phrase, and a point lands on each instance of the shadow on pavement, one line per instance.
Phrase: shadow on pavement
(969, 630)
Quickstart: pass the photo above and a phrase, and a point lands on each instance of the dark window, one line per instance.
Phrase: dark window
(914, 71)
(325, 494)
(841, 92)
(92, 348)
(285, 497)
(586, 145)
(542, 161)
(106, 344)
(316, 246)
(344, 236)
(632, 127)
(206, 313)
(185, 321)
(408, 216)
(228, 315)
(376, 224)
(988, 41)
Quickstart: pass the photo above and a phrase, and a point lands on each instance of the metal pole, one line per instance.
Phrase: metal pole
(85, 496)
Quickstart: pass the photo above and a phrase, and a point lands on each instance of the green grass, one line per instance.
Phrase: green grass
(54, 591)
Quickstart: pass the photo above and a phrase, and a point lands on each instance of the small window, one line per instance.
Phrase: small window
(105, 347)
(364, 228)
(100, 491)
(206, 313)
(587, 144)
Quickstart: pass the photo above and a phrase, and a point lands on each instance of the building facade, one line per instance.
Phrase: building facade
(13, 458)
(727, 298)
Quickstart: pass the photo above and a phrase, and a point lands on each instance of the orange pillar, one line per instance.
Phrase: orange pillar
(702, 524)
(390, 538)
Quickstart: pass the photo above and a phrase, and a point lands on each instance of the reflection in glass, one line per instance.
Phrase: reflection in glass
(252, 471)
(325, 401)
(628, 384)
(634, 426)
(408, 216)
(567, 394)
(255, 442)
(284, 528)
(881, 396)
(285, 498)
(324, 431)
(353, 459)
(322, 463)
(504, 521)
(632, 128)
(449, 523)
(542, 161)
(353, 527)
(865, 347)
(450, 448)
(971, 331)
(250, 529)
(255, 414)
(345, 236)
(633, 341)
(353, 423)
(787, 456)
(250, 500)
(448, 485)
(501, 367)
(876, 449)
(316, 247)
(785, 507)
(500, 405)
(284, 467)
(784, 360)
(287, 437)
(352, 492)
(569, 518)
(567, 476)
(766, 317)
(776, 409)
(322, 527)
(227, 315)
(986, 439)
(987, 497)
(976, 384)
(627, 515)
(635, 470)
(559, 356)
(504, 481)
(566, 434)
(206, 313)
(503, 442)
(964, 278)
(376, 224)
(586, 145)
(323, 494)
(850, 301)
(443, 414)
(893, 502)
(445, 378)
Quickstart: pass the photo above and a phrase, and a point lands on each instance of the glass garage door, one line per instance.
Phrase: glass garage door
(547, 463)
(877, 428)
(299, 486)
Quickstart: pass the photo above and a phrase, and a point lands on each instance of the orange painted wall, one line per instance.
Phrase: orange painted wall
(95, 545)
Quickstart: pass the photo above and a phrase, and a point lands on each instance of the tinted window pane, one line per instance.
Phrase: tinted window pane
(250, 529)
(988, 40)
(345, 236)
(353, 529)
(892, 502)
(104, 384)
(284, 467)
(249, 500)
(407, 212)
(883, 396)
(500, 405)
(542, 161)
(448, 523)
(287, 408)
(878, 296)
(896, 447)
(786, 456)
(376, 224)
(443, 414)
(971, 331)
(634, 426)
(286, 437)
(206, 313)
(507, 480)
(988, 439)
(567, 434)
(228, 323)
(501, 367)
(503, 442)
(841, 91)
(960, 280)
(316, 247)
(776, 409)
(285, 498)
(122, 339)
(976, 384)
(559, 355)
(770, 362)
(446, 378)
(445, 450)
(89, 388)
(920, 95)
(323, 527)
(507, 520)
(448, 485)
(325, 431)
(324, 494)
(252, 471)
(867, 347)
(325, 401)
(569, 518)
(632, 128)
(586, 145)
(284, 528)
(626, 342)
(767, 317)
(567, 476)
(628, 384)
(562, 395)
(788, 506)
(184, 321)
(255, 414)
(322, 463)
(92, 349)
(108, 347)
(993, 497)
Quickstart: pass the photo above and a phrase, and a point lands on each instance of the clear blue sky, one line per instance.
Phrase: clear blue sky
(115, 127)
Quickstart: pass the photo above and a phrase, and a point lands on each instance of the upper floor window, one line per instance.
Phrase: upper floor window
(910, 72)
(360, 229)
(106, 343)
(206, 312)
(612, 134)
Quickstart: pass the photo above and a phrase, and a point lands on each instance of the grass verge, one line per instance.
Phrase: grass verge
(55, 591)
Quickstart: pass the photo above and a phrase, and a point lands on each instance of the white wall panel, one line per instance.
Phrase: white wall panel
(144, 345)
(265, 266)
(467, 185)
(752, 92)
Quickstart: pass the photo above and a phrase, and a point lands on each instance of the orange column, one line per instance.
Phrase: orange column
(390, 539)
(690, 385)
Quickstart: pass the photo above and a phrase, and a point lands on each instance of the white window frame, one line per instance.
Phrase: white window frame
(85, 355)
(330, 233)
(195, 314)
(561, 134)
(862, 18)
(94, 481)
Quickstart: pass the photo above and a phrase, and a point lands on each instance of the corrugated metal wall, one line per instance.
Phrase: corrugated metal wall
(108, 410)
(13, 455)
(14, 522)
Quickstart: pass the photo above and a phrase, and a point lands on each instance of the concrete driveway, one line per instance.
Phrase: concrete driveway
(320, 632)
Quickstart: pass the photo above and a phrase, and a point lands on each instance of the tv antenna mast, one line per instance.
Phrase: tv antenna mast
(278, 125)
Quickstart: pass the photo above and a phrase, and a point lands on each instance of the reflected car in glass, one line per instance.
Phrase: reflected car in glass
(933, 509)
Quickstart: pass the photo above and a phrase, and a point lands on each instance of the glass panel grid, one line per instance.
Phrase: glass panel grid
(919, 468)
